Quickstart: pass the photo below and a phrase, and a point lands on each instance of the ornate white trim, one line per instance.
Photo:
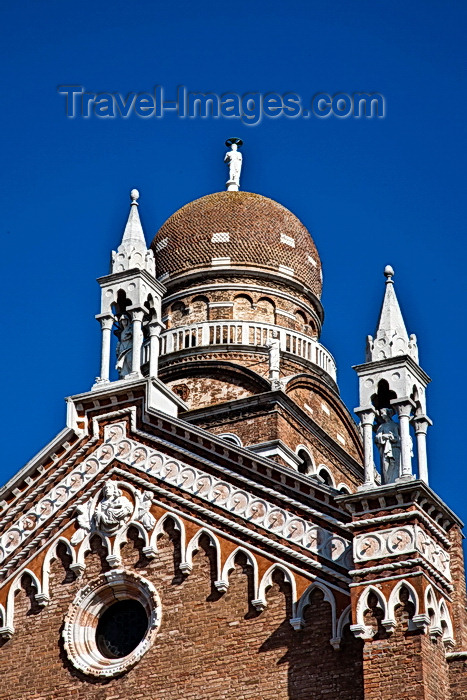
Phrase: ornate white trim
(79, 633)
(401, 540)
(188, 479)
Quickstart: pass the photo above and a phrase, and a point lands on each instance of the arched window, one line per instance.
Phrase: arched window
(325, 476)
(306, 465)
(199, 309)
(179, 313)
(231, 437)
(243, 308)
(266, 311)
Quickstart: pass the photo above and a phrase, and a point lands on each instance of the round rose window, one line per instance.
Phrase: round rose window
(111, 623)
(121, 628)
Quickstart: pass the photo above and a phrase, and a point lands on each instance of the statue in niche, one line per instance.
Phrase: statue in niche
(274, 347)
(234, 160)
(113, 511)
(144, 515)
(388, 442)
(124, 346)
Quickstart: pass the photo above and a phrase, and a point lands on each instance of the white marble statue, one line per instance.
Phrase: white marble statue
(234, 160)
(124, 346)
(113, 511)
(388, 441)
(144, 515)
(274, 350)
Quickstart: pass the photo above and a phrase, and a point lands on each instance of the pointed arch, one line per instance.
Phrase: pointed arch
(345, 618)
(122, 538)
(193, 547)
(48, 559)
(431, 604)
(267, 581)
(222, 583)
(360, 629)
(394, 600)
(298, 621)
(446, 623)
(14, 588)
(85, 548)
(159, 530)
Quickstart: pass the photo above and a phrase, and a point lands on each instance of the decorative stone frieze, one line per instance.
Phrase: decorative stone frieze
(401, 540)
(188, 479)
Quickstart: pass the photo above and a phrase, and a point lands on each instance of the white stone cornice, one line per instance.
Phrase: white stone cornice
(409, 563)
(186, 478)
(409, 515)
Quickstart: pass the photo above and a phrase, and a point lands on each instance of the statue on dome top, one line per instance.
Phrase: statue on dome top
(234, 160)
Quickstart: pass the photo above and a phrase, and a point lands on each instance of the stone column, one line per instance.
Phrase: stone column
(137, 319)
(367, 417)
(154, 347)
(106, 322)
(421, 424)
(404, 408)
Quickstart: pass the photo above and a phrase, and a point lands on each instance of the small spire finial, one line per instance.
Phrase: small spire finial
(134, 194)
(234, 160)
(388, 273)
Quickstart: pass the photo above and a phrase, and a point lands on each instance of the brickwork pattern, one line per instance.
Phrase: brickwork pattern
(405, 665)
(209, 647)
(255, 224)
(458, 679)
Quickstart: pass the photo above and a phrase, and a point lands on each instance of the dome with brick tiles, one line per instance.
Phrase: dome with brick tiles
(242, 230)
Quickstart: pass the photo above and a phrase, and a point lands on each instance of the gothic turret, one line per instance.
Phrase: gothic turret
(131, 302)
(392, 382)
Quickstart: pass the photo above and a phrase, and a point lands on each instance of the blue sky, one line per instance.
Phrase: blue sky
(372, 192)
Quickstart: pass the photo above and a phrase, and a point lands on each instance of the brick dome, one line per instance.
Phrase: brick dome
(251, 230)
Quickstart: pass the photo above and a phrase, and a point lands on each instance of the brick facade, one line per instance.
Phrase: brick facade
(218, 490)
(209, 645)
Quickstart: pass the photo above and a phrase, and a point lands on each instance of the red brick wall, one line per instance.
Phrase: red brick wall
(458, 678)
(209, 646)
(276, 426)
(459, 596)
(404, 665)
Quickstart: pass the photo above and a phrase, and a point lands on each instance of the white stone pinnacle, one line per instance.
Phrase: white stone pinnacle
(391, 337)
(133, 233)
(133, 251)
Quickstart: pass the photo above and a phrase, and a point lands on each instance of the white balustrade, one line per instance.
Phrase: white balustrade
(244, 333)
